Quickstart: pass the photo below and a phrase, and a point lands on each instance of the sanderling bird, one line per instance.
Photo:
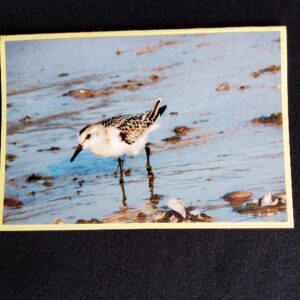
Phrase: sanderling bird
(121, 135)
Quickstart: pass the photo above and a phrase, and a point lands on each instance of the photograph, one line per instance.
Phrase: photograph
(181, 128)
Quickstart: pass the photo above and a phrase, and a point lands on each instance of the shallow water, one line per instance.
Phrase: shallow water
(225, 152)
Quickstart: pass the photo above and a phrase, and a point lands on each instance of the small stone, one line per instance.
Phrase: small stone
(223, 87)
(255, 74)
(205, 218)
(87, 93)
(172, 139)
(63, 74)
(155, 198)
(91, 221)
(12, 202)
(36, 177)
(271, 69)
(273, 119)
(47, 183)
(244, 87)
(127, 172)
(141, 215)
(182, 130)
(54, 149)
(238, 196)
(172, 216)
(94, 221)
(11, 157)
(33, 178)
(153, 78)
(58, 221)
(26, 119)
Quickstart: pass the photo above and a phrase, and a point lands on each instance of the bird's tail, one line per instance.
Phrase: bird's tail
(156, 111)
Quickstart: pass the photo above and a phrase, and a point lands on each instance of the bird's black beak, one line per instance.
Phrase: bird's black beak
(78, 149)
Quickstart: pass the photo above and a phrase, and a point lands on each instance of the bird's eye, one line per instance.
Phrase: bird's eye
(88, 136)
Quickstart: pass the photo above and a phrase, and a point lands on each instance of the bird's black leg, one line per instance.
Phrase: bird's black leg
(148, 165)
(154, 198)
(121, 162)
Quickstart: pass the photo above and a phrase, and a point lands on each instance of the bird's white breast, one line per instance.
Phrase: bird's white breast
(110, 144)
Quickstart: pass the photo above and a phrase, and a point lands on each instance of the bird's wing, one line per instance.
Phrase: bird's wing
(114, 121)
(133, 128)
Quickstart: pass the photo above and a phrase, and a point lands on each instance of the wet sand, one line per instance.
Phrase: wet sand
(223, 152)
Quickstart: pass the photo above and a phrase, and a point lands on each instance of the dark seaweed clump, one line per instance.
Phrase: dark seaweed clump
(274, 119)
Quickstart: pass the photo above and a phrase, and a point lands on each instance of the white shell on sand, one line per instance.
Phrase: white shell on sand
(253, 202)
(178, 206)
(267, 199)
(195, 212)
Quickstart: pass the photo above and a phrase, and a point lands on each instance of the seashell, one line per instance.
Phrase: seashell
(195, 212)
(253, 202)
(275, 202)
(266, 200)
(238, 196)
(178, 206)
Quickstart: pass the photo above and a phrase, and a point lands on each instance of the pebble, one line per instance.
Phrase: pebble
(271, 69)
(153, 78)
(141, 216)
(63, 74)
(238, 196)
(11, 157)
(172, 139)
(273, 119)
(172, 216)
(50, 149)
(155, 198)
(127, 172)
(36, 177)
(80, 92)
(223, 87)
(26, 119)
(244, 87)
(12, 202)
(182, 130)
(58, 221)
(91, 221)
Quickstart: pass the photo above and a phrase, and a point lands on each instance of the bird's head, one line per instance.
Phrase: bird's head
(87, 138)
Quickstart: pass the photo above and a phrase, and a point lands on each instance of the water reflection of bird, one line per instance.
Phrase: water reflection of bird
(121, 135)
